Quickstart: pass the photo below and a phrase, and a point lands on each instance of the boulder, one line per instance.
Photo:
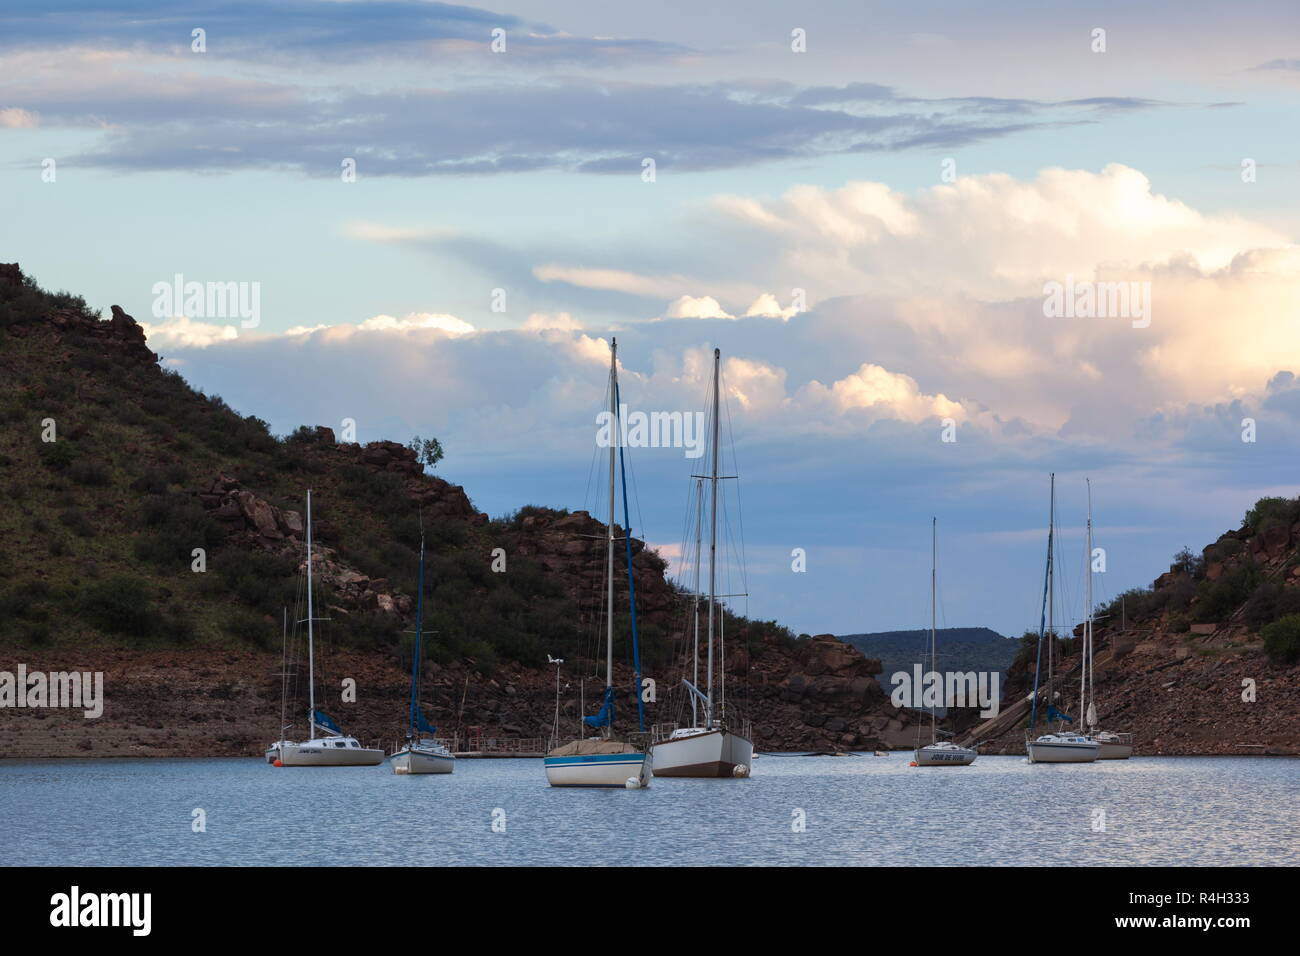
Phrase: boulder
(259, 514)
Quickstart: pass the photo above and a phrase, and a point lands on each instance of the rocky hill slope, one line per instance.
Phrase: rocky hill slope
(155, 534)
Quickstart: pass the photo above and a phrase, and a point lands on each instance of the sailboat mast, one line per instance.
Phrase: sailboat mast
(284, 667)
(1083, 640)
(311, 645)
(1051, 588)
(415, 653)
(609, 557)
(695, 607)
(1088, 628)
(934, 653)
(713, 536)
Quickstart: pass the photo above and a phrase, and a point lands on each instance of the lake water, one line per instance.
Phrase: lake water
(872, 811)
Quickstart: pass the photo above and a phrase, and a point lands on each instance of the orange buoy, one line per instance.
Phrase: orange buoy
(912, 764)
(277, 762)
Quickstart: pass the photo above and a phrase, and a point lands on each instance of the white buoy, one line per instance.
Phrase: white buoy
(740, 770)
(633, 783)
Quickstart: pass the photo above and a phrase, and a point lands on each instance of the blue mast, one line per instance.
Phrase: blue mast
(415, 656)
(631, 582)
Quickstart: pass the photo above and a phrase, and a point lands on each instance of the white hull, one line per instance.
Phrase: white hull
(1115, 751)
(598, 770)
(1076, 751)
(422, 760)
(944, 756)
(709, 753)
(325, 753)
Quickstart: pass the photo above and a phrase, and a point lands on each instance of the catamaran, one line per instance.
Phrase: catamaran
(420, 754)
(1061, 746)
(712, 748)
(1114, 746)
(939, 753)
(604, 761)
(333, 748)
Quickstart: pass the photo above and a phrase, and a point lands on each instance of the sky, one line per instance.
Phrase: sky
(877, 212)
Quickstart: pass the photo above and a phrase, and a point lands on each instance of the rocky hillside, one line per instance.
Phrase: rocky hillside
(1206, 660)
(155, 534)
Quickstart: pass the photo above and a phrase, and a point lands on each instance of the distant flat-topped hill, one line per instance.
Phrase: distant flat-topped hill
(960, 649)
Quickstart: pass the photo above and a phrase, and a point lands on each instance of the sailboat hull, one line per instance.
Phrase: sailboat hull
(711, 753)
(598, 770)
(421, 760)
(326, 753)
(1062, 752)
(1115, 752)
(944, 756)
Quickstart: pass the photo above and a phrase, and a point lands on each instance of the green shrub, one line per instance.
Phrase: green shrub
(90, 473)
(1269, 512)
(76, 522)
(120, 605)
(177, 525)
(1282, 640)
(251, 627)
(258, 578)
(1220, 598)
(57, 455)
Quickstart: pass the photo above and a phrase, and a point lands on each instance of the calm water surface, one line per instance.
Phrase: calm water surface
(873, 811)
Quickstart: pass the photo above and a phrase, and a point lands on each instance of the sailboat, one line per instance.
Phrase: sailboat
(1062, 746)
(604, 761)
(711, 748)
(332, 748)
(1114, 746)
(939, 753)
(420, 755)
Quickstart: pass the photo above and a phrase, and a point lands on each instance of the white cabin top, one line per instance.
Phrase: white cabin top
(330, 743)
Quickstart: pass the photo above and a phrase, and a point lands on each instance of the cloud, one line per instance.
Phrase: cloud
(381, 232)
(14, 118)
(540, 321)
(692, 307)
(157, 106)
(180, 332)
(417, 320)
(885, 394)
(991, 236)
(318, 32)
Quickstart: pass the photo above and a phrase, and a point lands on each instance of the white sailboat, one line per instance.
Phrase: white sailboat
(1114, 746)
(712, 748)
(1062, 746)
(420, 754)
(332, 748)
(603, 761)
(939, 753)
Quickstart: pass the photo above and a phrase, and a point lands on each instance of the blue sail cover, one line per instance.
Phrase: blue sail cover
(606, 716)
(323, 720)
(1054, 714)
(422, 724)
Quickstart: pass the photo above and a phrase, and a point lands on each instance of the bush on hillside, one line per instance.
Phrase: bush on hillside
(259, 579)
(1269, 512)
(1220, 598)
(1270, 601)
(120, 605)
(177, 524)
(1282, 640)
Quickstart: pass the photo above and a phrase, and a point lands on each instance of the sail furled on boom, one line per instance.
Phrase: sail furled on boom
(422, 723)
(324, 722)
(606, 716)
